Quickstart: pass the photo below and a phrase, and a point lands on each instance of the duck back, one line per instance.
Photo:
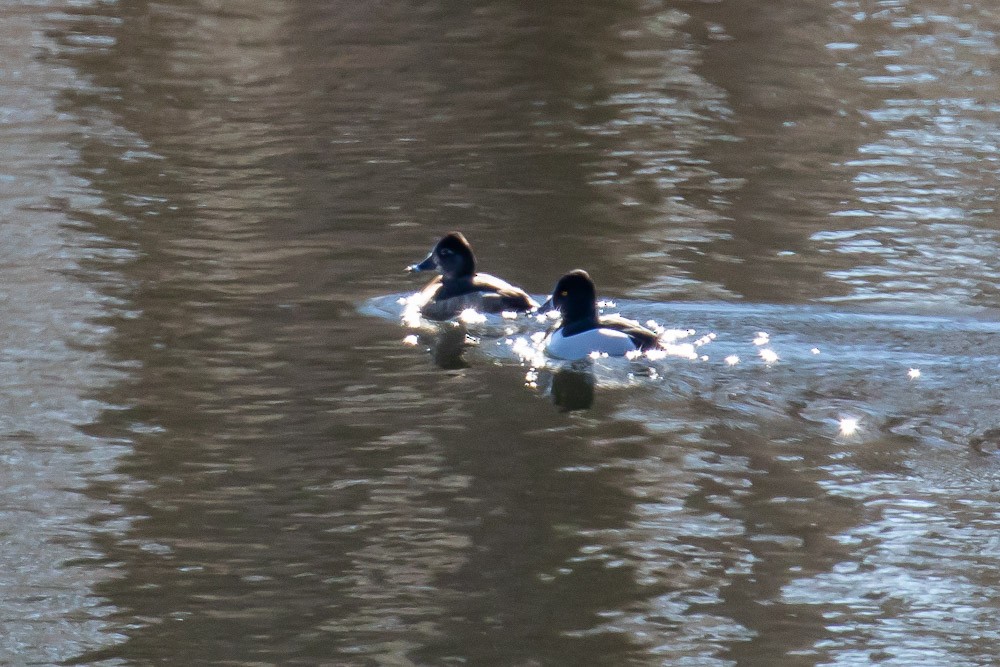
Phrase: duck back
(483, 293)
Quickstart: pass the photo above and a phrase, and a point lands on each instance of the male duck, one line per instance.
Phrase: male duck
(459, 286)
(581, 331)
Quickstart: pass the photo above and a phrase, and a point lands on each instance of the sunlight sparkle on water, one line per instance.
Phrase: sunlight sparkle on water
(472, 316)
(411, 340)
(732, 360)
(528, 350)
(669, 344)
(815, 350)
(768, 355)
(913, 373)
(673, 335)
(848, 426)
(411, 310)
(684, 350)
(763, 338)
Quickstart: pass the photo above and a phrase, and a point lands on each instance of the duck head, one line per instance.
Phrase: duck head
(452, 256)
(574, 296)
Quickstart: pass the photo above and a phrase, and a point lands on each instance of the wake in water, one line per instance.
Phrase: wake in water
(520, 337)
(851, 374)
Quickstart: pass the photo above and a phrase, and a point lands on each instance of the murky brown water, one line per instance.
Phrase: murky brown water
(216, 447)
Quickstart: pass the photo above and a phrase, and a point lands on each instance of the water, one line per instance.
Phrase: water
(220, 445)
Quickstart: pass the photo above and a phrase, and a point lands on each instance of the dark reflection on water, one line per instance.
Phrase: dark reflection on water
(573, 388)
(298, 487)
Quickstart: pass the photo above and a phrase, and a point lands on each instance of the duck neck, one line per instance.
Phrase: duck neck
(452, 285)
(579, 320)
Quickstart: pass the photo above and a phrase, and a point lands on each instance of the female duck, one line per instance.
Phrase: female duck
(581, 331)
(459, 286)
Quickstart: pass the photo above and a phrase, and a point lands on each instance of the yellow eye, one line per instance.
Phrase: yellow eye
(564, 293)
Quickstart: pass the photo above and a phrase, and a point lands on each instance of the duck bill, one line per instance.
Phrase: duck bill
(427, 265)
(547, 306)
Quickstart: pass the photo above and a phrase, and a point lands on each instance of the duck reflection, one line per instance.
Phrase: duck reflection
(572, 387)
(448, 345)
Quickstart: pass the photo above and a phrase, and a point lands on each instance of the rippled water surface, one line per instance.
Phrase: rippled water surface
(221, 445)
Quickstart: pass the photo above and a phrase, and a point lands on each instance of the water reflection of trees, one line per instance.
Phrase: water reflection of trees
(304, 489)
(300, 491)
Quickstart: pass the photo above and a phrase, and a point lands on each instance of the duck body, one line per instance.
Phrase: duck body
(582, 332)
(611, 342)
(460, 287)
(483, 293)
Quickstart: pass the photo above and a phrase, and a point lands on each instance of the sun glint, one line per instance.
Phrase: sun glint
(848, 426)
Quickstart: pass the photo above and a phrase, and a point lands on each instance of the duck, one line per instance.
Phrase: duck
(460, 287)
(581, 331)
